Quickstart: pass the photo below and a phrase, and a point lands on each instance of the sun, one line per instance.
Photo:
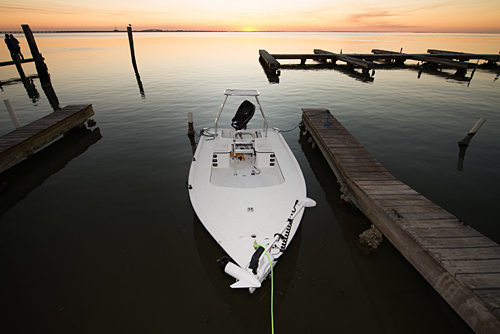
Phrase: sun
(248, 29)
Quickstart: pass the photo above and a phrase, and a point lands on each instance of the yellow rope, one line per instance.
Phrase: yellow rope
(255, 245)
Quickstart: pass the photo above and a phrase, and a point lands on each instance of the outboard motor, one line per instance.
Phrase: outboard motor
(243, 115)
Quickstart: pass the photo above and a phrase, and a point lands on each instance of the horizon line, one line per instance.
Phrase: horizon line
(286, 31)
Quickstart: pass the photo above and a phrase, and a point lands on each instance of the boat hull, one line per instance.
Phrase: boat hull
(246, 199)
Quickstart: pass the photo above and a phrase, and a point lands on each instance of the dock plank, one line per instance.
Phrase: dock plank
(481, 281)
(438, 244)
(445, 232)
(467, 254)
(475, 267)
(490, 297)
(429, 223)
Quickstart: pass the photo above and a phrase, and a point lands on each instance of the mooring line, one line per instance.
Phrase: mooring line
(327, 124)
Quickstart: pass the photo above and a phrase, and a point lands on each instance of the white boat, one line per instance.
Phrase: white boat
(247, 189)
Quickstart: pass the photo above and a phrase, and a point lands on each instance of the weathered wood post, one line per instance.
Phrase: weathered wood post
(41, 68)
(464, 143)
(466, 140)
(134, 63)
(131, 43)
(191, 132)
(12, 113)
(190, 124)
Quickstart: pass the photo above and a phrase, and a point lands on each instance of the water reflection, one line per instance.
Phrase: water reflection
(21, 179)
(350, 71)
(459, 75)
(28, 83)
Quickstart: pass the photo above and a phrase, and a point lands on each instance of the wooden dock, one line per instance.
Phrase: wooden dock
(24, 141)
(460, 263)
(426, 58)
(368, 61)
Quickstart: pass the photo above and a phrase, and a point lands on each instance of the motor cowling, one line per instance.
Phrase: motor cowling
(243, 115)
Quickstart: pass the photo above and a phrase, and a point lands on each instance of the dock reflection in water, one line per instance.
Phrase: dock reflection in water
(20, 180)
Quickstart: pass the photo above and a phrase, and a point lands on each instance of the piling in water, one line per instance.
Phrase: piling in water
(190, 124)
(466, 140)
(12, 113)
(134, 63)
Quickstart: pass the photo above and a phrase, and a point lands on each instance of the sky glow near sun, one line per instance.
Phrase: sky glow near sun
(255, 15)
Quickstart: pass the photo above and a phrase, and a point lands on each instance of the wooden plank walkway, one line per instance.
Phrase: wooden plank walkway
(459, 262)
(22, 142)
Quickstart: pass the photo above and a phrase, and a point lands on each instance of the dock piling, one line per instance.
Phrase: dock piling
(191, 131)
(134, 63)
(41, 68)
(466, 140)
(131, 44)
(12, 113)
(40, 65)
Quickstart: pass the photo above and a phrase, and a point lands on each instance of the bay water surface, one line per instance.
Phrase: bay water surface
(97, 234)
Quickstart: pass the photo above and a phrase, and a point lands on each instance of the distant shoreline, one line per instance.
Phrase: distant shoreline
(159, 30)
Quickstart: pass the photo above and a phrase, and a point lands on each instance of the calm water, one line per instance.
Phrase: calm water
(97, 234)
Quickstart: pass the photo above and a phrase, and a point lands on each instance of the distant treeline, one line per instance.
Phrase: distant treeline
(100, 31)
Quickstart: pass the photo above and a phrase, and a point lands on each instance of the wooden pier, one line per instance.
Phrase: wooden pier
(371, 61)
(24, 141)
(460, 263)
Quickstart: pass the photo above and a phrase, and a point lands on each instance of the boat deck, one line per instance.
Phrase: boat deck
(241, 209)
(245, 174)
(459, 262)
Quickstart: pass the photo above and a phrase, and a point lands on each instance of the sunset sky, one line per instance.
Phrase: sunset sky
(254, 15)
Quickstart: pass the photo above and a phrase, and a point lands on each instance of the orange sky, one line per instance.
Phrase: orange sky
(264, 15)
